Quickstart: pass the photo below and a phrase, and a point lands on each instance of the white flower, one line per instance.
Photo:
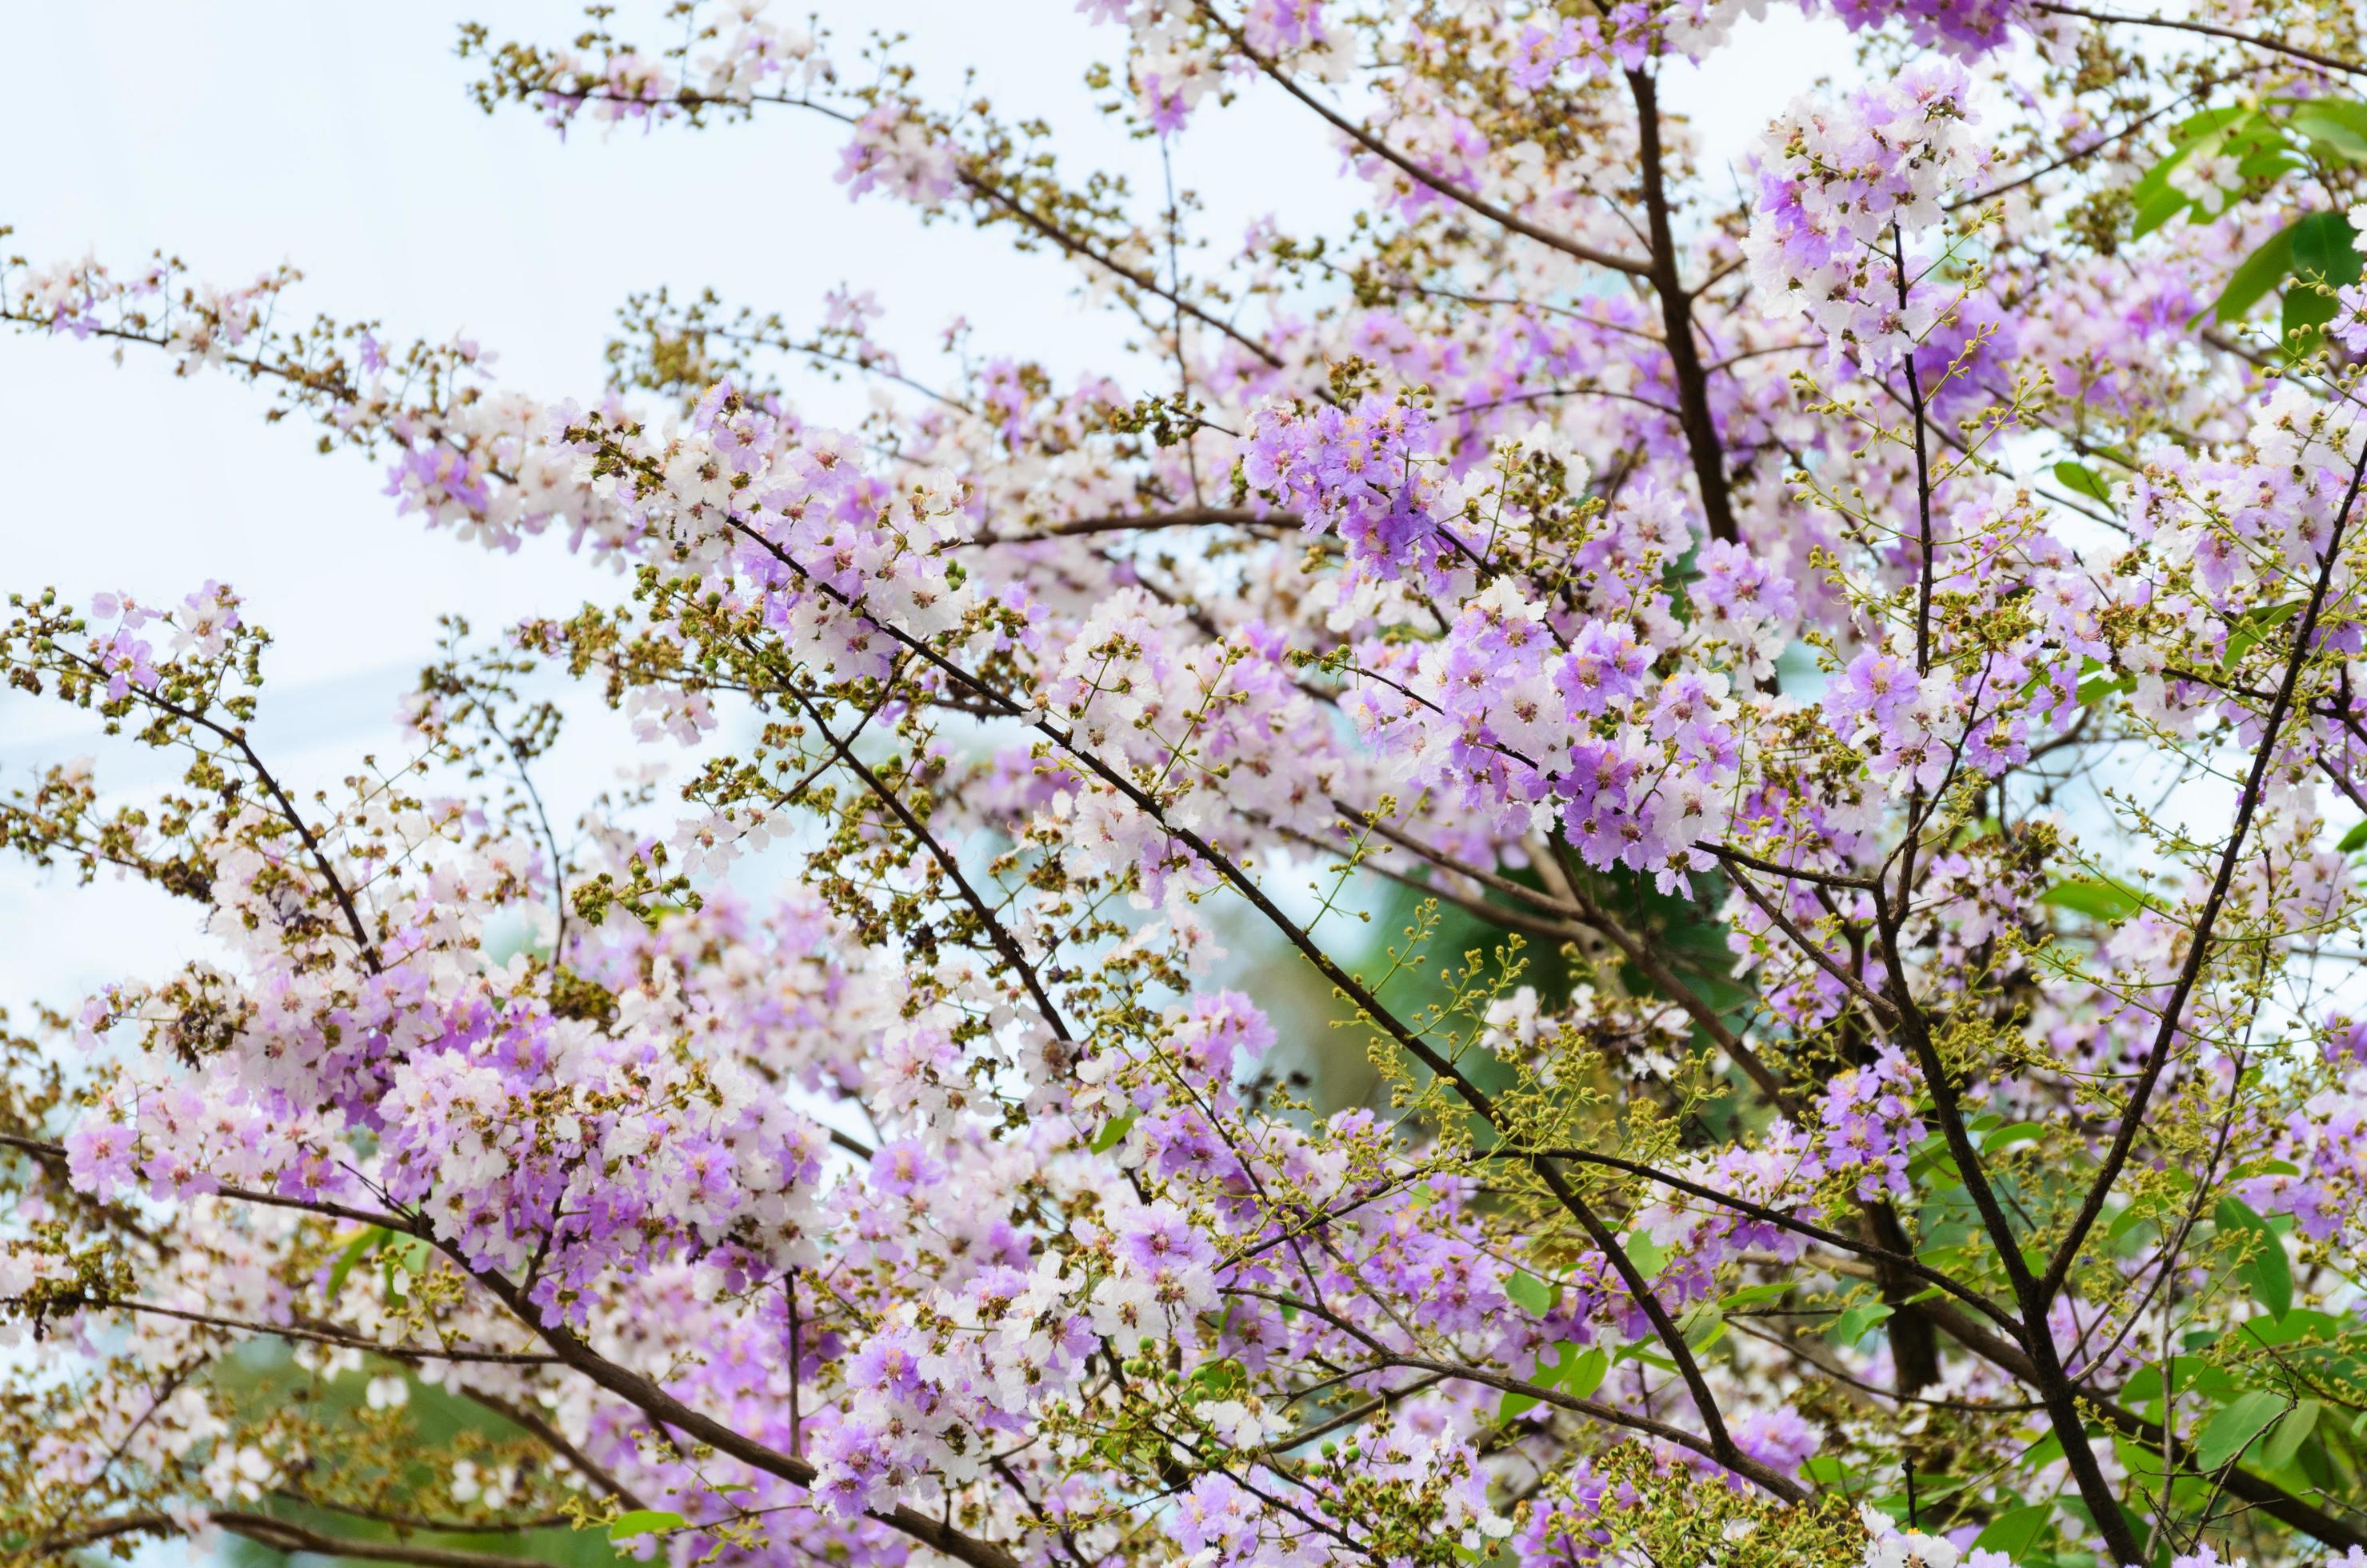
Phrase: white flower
(2210, 178)
(1512, 1022)
(1894, 1548)
(1234, 1423)
(239, 1473)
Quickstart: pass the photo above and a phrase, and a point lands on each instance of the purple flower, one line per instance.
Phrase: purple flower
(905, 1166)
(1875, 686)
(98, 1156)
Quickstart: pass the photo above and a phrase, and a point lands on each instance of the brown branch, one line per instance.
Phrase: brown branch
(1765, 1476)
(1395, 159)
(287, 812)
(1004, 943)
(529, 1420)
(2125, 1136)
(1194, 518)
(662, 1408)
(282, 1534)
(47, 1150)
(1905, 1262)
(2067, 159)
(1640, 953)
(1880, 1006)
(1699, 423)
(1355, 1414)
(1647, 1300)
(2265, 1495)
(2209, 29)
(320, 1336)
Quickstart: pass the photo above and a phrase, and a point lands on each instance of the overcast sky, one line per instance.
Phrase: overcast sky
(241, 134)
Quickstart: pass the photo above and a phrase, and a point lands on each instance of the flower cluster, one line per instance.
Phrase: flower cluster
(1598, 872)
(1843, 188)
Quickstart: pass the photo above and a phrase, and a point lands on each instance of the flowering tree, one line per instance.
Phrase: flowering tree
(1925, 567)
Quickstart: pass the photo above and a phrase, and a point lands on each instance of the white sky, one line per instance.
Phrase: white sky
(241, 134)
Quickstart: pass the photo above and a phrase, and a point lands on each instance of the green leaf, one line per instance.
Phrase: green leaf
(1530, 1293)
(1826, 1470)
(2355, 838)
(2251, 282)
(1751, 1295)
(2098, 681)
(2128, 1219)
(2305, 310)
(2330, 130)
(2158, 208)
(2271, 1279)
(1852, 1325)
(2084, 480)
(2295, 1325)
(2016, 1530)
(2267, 161)
(2253, 625)
(2292, 1430)
(2188, 1374)
(2189, 133)
(2232, 1431)
(2351, 112)
(398, 1256)
(2097, 900)
(2156, 200)
(1581, 1375)
(1216, 1379)
(1927, 1155)
(370, 1237)
(2267, 1271)
(1641, 1351)
(1575, 1372)
(645, 1521)
(1113, 1131)
(1648, 1256)
(2322, 251)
